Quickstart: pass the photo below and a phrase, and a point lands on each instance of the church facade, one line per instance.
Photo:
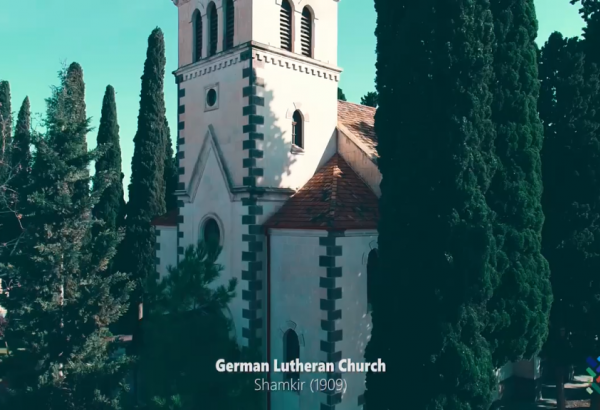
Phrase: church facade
(285, 177)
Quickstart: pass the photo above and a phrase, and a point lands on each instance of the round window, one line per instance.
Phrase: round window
(211, 232)
(211, 97)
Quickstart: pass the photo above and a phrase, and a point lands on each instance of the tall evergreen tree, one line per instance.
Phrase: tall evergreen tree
(520, 307)
(341, 95)
(5, 130)
(61, 301)
(20, 166)
(6, 171)
(76, 101)
(111, 207)
(436, 242)
(146, 190)
(590, 12)
(569, 108)
(369, 99)
(171, 175)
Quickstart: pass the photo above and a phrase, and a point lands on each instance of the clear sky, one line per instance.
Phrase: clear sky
(109, 38)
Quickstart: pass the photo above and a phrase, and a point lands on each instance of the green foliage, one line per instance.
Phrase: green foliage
(74, 103)
(60, 299)
(146, 189)
(171, 176)
(341, 96)
(520, 308)
(186, 333)
(21, 151)
(111, 207)
(17, 181)
(6, 217)
(569, 109)
(5, 128)
(436, 242)
(369, 99)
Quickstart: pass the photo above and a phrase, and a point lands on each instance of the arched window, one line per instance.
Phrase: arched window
(306, 34)
(197, 36)
(291, 352)
(211, 233)
(298, 129)
(285, 21)
(372, 266)
(229, 25)
(213, 29)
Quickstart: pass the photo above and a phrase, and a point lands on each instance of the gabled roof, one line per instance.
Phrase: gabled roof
(168, 219)
(334, 198)
(360, 121)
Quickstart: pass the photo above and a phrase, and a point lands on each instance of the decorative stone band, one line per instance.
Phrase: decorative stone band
(252, 238)
(331, 312)
(180, 155)
(157, 235)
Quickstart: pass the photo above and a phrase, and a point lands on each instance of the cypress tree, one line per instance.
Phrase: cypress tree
(520, 307)
(111, 206)
(146, 189)
(20, 166)
(436, 239)
(5, 130)
(76, 105)
(171, 175)
(568, 107)
(60, 300)
(341, 95)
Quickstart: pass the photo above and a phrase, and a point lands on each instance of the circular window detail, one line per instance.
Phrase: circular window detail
(211, 97)
(211, 233)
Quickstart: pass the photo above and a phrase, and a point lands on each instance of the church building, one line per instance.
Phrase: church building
(284, 176)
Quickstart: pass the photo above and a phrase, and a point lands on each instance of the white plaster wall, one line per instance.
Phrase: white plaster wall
(356, 321)
(213, 199)
(325, 12)
(227, 120)
(295, 296)
(360, 162)
(527, 369)
(289, 85)
(168, 249)
(242, 30)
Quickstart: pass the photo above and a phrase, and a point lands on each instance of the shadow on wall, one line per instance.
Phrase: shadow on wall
(277, 146)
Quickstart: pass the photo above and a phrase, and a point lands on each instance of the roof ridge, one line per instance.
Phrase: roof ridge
(360, 105)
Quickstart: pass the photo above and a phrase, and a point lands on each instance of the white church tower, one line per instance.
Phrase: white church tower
(284, 176)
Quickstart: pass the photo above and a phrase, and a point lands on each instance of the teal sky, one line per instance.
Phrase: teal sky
(109, 37)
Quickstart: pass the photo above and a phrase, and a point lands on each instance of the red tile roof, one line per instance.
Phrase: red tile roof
(168, 219)
(334, 198)
(360, 121)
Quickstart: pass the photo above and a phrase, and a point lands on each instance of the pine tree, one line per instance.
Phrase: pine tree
(59, 300)
(436, 240)
(5, 131)
(569, 108)
(171, 175)
(146, 189)
(111, 207)
(341, 95)
(520, 307)
(188, 303)
(369, 99)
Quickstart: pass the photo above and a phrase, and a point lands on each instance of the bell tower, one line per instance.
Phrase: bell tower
(257, 101)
